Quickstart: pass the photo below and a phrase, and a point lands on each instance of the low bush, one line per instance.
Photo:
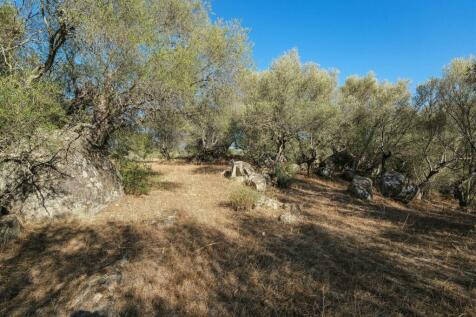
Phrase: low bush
(243, 198)
(135, 177)
(284, 176)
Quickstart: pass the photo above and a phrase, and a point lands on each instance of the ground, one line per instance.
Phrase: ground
(182, 251)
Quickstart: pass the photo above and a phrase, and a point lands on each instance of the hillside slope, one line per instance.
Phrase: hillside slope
(182, 251)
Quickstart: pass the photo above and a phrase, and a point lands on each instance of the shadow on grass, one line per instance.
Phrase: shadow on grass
(418, 220)
(294, 270)
(84, 313)
(265, 269)
(50, 264)
(209, 169)
(167, 186)
(156, 182)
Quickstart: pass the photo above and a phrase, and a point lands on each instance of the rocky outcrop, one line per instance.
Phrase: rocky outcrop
(257, 181)
(240, 168)
(361, 187)
(62, 175)
(244, 172)
(397, 186)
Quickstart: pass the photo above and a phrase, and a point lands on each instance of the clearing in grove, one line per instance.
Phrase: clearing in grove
(182, 251)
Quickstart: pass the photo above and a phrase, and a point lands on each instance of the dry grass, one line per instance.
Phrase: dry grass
(182, 251)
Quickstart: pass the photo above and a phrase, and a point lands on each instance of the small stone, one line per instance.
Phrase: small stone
(266, 202)
(97, 297)
(288, 218)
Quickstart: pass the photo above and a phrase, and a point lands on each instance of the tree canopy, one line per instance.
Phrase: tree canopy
(165, 71)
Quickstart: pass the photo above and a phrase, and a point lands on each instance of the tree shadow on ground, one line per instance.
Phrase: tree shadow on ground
(50, 264)
(272, 269)
(255, 266)
(156, 182)
(290, 270)
(168, 186)
(414, 218)
(84, 313)
(209, 169)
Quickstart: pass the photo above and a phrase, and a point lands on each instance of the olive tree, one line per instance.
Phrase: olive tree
(377, 118)
(285, 106)
(108, 65)
(457, 91)
(433, 137)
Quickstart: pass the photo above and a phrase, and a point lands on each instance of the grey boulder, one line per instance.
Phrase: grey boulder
(67, 177)
(361, 187)
(397, 186)
(244, 172)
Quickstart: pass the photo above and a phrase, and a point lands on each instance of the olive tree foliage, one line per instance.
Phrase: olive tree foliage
(445, 135)
(150, 53)
(457, 92)
(198, 83)
(166, 126)
(12, 31)
(433, 148)
(217, 87)
(26, 107)
(23, 109)
(285, 110)
(102, 68)
(376, 121)
(117, 60)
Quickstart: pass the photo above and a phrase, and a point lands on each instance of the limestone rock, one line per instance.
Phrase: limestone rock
(257, 181)
(266, 202)
(361, 187)
(239, 179)
(71, 178)
(240, 168)
(288, 218)
(243, 172)
(268, 178)
(408, 193)
(391, 184)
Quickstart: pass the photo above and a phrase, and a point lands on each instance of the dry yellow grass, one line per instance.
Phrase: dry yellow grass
(182, 251)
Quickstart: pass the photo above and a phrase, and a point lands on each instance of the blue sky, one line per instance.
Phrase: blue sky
(399, 39)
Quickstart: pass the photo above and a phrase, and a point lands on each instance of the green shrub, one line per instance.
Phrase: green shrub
(284, 176)
(243, 198)
(135, 177)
